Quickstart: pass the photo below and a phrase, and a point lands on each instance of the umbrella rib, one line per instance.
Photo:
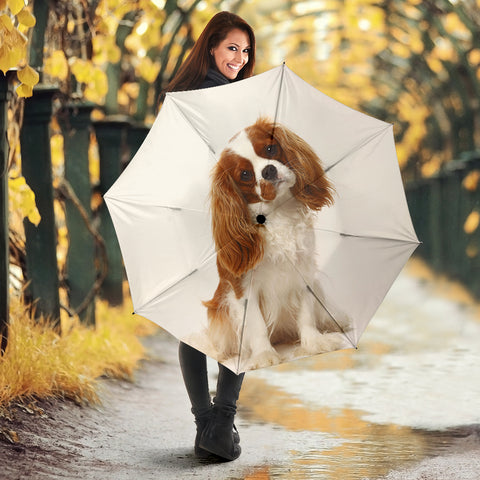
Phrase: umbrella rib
(242, 332)
(360, 145)
(205, 261)
(245, 307)
(331, 316)
(368, 237)
(278, 100)
(129, 201)
(275, 116)
(165, 291)
(173, 285)
(193, 127)
(309, 288)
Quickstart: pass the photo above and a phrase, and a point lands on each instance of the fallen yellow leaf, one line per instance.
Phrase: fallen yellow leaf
(10, 435)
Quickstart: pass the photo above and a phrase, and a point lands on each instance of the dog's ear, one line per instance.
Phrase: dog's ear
(312, 187)
(238, 241)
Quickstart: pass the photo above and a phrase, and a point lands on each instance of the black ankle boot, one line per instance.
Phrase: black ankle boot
(219, 436)
(201, 422)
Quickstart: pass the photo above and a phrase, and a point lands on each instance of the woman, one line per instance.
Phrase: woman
(224, 53)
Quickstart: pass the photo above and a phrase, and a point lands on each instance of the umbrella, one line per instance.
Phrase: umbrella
(161, 207)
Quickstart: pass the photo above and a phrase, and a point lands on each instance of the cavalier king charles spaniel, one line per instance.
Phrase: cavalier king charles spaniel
(266, 187)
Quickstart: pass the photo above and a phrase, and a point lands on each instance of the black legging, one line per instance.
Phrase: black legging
(194, 370)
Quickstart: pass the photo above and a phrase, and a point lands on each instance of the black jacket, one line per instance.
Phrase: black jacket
(213, 79)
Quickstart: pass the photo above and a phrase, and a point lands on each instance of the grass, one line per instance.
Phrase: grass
(39, 363)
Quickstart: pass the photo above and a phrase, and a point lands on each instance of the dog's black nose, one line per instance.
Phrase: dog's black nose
(269, 172)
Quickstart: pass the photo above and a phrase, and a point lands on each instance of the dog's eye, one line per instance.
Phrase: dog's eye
(271, 150)
(246, 175)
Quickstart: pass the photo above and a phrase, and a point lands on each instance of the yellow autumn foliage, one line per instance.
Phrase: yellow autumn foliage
(56, 65)
(6, 22)
(24, 90)
(26, 18)
(22, 199)
(13, 49)
(470, 182)
(94, 78)
(431, 166)
(367, 53)
(133, 43)
(474, 56)
(105, 49)
(28, 75)
(455, 27)
(444, 50)
(15, 5)
(93, 160)
(81, 69)
(472, 222)
(147, 69)
(14, 18)
(57, 153)
(97, 86)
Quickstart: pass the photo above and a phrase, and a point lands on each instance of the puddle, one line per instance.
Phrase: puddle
(366, 450)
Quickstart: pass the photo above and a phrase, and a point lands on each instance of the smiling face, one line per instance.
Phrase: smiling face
(232, 53)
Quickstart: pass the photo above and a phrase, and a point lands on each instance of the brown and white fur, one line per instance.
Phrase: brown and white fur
(268, 170)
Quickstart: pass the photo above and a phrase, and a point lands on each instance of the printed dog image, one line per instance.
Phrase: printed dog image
(266, 189)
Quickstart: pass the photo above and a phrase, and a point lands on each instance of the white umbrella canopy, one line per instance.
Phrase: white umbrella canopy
(160, 207)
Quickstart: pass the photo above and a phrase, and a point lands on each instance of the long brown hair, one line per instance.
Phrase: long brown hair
(194, 69)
